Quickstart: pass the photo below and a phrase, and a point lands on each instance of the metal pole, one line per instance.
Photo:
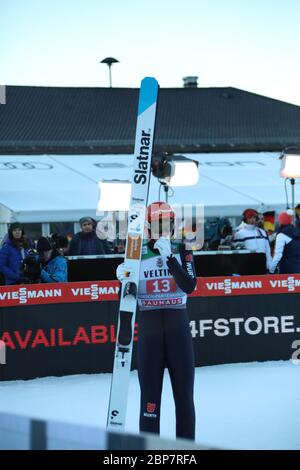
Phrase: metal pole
(109, 66)
(166, 190)
(292, 180)
(109, 61)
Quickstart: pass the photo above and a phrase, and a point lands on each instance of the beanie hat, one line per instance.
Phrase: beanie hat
(15, 225)
(248, 213)
(43, 245)
(86, 219)
(285, 218)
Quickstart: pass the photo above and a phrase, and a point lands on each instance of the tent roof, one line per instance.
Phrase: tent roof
(49, 188)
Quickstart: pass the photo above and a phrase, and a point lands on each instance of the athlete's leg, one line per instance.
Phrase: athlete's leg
(150, 368)
(181, 365)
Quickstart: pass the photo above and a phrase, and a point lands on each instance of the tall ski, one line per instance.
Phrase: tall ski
(136, 217)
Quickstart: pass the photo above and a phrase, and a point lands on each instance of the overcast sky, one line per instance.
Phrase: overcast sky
(247, 44)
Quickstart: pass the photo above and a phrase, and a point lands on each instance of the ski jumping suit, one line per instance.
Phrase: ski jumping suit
(165, 338)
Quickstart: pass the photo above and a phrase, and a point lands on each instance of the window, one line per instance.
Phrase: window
(33, 231)
(65, 229)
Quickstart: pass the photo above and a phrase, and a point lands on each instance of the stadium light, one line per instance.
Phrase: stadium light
(114, 195)
(186, 173)
(290, 163)
(175, 170)
(170, 170)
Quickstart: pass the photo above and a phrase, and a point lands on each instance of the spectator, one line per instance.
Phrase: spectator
(297, 215)
(12, 253)
(61, 243)
(252, 237)
(269, 227)
(53, 265)
(216, 232)
(287, 246)
(260, 220)
(86, 242)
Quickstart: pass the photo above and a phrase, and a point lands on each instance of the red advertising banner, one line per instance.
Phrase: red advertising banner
(248, 285)
(38, 294)
(95, 291)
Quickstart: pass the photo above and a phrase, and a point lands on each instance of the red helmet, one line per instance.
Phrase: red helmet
(158, 211)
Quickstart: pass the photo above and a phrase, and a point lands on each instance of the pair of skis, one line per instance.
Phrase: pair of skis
(136, 217)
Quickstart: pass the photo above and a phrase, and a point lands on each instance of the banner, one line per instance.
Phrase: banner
(79, 337)
(71, 292)
(95, 291)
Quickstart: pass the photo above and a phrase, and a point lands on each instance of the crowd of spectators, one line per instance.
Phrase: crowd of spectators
(281, 246)
(25, 262)
(22, 261)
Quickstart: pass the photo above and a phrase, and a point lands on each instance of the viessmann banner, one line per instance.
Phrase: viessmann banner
(92, 291)
(60, 329)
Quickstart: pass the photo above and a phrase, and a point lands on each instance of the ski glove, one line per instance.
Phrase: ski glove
(163, 245)
(122, 272)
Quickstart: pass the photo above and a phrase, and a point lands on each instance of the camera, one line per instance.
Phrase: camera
(31, 267)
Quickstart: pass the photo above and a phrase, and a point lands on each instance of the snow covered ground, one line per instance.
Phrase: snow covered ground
(238, 406)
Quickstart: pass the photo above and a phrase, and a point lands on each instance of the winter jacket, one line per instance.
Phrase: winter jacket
(88, 244)
(287, 251)
(56, 270)
(254, 239)
(11, 262)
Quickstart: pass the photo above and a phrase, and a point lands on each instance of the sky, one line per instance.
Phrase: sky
(248, 44)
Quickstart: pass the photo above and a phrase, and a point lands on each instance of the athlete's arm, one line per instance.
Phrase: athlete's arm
(184, 274)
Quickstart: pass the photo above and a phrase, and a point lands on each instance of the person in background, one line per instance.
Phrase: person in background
(297, 215)
(61, 243)
(217, 231)
(12, 254)
(252, 237)
(86, 242)
(269, 227)
(287, 246)
(260, 220)
(54, 266)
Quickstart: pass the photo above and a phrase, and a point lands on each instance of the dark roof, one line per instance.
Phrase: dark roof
(103, 120)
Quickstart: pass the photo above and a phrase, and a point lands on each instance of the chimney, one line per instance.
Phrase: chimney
(190, 82)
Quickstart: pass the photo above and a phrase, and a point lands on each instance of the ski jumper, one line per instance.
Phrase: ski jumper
(165, 338)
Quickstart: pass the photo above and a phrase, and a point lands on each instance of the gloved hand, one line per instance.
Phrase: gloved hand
(163, 245)
(122, 272)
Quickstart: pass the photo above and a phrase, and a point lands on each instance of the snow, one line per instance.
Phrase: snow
(238, 406)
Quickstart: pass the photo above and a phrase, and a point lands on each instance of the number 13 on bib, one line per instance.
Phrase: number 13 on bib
(136, 217)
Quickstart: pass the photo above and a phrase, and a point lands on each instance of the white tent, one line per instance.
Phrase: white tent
(47, 188)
